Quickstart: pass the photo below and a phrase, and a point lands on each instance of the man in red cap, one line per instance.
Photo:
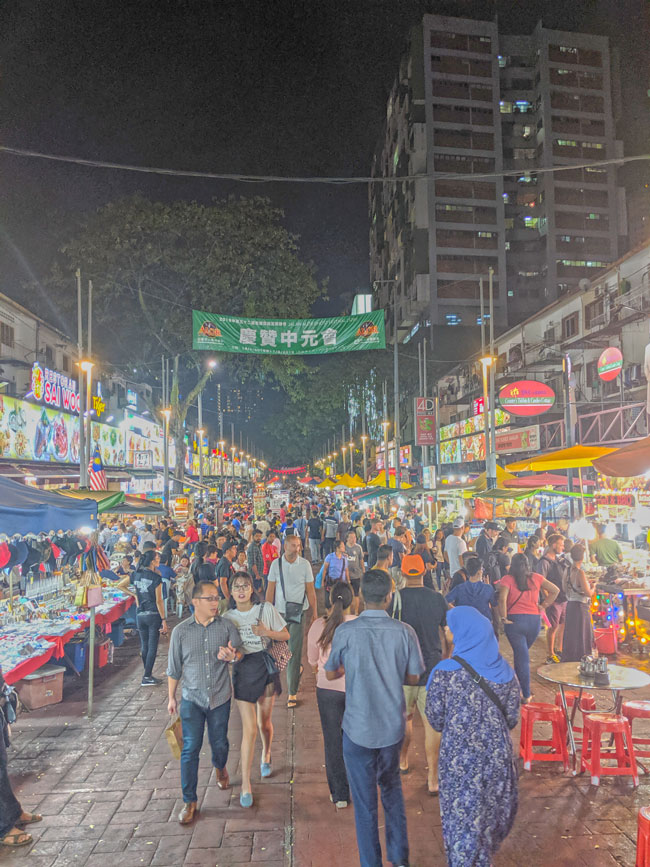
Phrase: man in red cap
(425, 610)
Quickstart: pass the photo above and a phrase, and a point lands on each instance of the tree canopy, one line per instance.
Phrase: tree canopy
(151, 263)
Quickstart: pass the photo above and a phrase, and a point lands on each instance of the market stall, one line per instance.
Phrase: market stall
(46, 555)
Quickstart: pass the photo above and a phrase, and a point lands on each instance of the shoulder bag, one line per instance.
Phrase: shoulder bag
(480, 681)
(292, 610)
(277, 650)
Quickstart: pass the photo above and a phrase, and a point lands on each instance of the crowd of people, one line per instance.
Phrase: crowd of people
(411, 623)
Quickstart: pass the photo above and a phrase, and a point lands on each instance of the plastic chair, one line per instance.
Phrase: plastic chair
(541, 712)
(637, 710)
(597, 725)
(587, 703)
(643, 838)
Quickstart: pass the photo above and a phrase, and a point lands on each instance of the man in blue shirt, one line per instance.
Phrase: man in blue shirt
(377, 655)
(475, 591)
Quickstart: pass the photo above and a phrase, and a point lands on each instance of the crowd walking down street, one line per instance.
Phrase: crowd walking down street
(308, 694)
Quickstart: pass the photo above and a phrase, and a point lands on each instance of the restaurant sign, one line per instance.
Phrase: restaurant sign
(519, 439)
(526, 397)
(54, 389)
(610, 363)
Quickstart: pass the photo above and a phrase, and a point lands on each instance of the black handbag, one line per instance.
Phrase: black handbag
(293, 610)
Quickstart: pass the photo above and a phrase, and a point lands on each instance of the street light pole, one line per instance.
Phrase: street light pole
(351, 459)
(343, 450)
(492, 467)
(166, 414)
(83, 462)
(386, 425)
(364, 439)
(222, 445)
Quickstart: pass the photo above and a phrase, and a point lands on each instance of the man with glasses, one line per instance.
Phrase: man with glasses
(199, 652)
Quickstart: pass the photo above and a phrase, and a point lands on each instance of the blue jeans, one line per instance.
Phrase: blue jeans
(149, 623)
(521, 634)
(194, 719)
(367, 769)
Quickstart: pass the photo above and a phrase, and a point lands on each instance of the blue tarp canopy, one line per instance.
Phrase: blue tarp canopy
(24, 509)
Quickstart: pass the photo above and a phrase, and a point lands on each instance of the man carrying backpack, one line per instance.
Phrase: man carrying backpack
(553, 567)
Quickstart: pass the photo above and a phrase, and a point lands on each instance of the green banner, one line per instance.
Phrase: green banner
(288, 336)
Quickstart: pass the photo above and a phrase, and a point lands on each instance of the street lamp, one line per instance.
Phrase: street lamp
(234, 452)
(166, 414)
(351, 459)
(490, 456)
(365, 460)
(343, 451)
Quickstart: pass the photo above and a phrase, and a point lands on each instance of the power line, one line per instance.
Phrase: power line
(295, 179)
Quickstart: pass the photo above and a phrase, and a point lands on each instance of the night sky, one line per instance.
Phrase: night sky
(283, 87)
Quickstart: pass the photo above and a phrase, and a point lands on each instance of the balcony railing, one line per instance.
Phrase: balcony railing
(619, 424)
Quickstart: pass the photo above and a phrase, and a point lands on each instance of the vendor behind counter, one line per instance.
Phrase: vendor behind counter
(604, 551)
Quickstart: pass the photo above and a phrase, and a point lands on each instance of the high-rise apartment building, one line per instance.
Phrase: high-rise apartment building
(477, 111)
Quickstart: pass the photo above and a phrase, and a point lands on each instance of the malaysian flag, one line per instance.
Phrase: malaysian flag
(96, 472)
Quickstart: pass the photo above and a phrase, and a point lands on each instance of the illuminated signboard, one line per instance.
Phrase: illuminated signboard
(526, 397)
(54, 389)
(610, 364)
(59, 391)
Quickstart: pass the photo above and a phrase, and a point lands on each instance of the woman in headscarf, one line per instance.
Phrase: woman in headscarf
(476, 773)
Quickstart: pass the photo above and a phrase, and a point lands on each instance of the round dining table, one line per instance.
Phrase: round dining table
(567, 674)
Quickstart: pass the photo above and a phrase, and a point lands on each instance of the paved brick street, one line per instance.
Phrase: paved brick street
(109, 791)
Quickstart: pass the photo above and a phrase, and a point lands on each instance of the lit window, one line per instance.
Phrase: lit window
(567, 143)
(597, 145)
(503, 62)
(507, 245)
(454, 319)
(511, 294)
(506, 198)
(506, 107)
(593, 216)
(396, 157)
(531, 222)
(486, 234)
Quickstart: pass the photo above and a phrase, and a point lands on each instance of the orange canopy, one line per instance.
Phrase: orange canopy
(630, 460)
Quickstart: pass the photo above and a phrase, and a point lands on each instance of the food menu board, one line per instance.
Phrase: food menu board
(141, 434)
(450, 452)
(37, 433)
(471, 425)
(472, 448)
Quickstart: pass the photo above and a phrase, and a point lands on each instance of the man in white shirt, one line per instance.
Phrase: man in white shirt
(298, 581)
(455, 546)
(146, 536)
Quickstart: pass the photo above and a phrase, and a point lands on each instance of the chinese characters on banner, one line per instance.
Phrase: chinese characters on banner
(425, 422)
(288, 336)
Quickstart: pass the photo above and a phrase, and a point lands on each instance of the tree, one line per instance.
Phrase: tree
(152, 263)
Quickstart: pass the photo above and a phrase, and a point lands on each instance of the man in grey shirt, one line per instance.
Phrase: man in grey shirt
(378, 656)
(199, 651)
(298, 581)
(355, 566)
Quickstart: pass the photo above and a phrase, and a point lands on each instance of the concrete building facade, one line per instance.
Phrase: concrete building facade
(475, 112)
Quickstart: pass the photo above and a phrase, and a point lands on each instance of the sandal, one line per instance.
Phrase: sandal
(292, 702)
(30, 820)
(13, 841)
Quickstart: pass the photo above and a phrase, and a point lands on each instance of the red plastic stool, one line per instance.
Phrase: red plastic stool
(587, 703)
(643, 838)
(537, 711)
(596, 725)
(637, 710)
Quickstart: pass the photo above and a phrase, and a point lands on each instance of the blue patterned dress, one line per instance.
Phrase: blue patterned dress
(477, 773)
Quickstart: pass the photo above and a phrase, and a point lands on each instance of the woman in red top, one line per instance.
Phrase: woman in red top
(269, 551)
(519, 592)
(191, 534)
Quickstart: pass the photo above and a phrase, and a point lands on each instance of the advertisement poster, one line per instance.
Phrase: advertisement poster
(288, 336)
(425, 422)
(259, 505)
(143, 435)
(520, 439)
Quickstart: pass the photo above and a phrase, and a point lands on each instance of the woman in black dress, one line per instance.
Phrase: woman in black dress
(578, 627)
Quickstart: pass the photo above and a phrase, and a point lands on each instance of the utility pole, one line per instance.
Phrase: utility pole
(364, 435)
(492, 458)
(386, 425)
(426, 394)
(200, 434)
(396, 433)
(83, 460)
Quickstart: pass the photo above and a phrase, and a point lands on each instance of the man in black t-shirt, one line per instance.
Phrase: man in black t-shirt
(224, 571)
(372, 541)
(315, 534)
(426, 611)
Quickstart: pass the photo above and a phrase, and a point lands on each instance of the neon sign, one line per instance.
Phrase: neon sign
(54, 389)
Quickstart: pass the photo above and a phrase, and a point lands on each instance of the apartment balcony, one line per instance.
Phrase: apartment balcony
(620, 309)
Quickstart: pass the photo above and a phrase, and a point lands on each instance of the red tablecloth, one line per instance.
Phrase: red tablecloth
(115, 613)
(28, 666)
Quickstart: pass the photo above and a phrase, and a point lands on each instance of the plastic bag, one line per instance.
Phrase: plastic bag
(174, 735)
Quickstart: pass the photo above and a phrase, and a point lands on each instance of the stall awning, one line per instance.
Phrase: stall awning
(630, 460)
(25, 509)
(573, 458)
(541, 480)
(107, 501)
